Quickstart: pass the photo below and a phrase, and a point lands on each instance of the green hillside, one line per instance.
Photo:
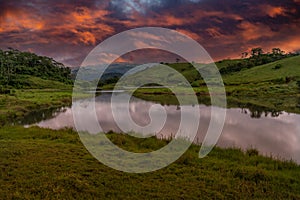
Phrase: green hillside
(279, 71)
(283, 70)
(17, 70)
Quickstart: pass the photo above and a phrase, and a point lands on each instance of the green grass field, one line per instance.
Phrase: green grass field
(46, 164)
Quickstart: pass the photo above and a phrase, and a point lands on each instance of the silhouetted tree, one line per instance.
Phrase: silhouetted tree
(245, 54)
(277, 51)
(256, 51)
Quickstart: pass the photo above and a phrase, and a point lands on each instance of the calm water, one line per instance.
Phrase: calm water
(276, 134)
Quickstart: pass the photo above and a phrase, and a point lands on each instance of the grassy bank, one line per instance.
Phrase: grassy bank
(275, 97)
(47, 164)
(19, 103)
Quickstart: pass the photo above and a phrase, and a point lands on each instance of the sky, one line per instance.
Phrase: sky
(68, 30)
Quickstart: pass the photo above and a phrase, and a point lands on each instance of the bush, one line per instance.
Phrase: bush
(278, 66)
(4, 90)
(250, 174)
(252, 152)
(288, 79)
(298, 84)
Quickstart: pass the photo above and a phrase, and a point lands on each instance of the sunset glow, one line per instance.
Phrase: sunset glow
(68, 31)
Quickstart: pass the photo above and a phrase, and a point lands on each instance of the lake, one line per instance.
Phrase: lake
(276, 134)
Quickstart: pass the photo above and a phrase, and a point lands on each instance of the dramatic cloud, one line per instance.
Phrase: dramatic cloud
(67, 30)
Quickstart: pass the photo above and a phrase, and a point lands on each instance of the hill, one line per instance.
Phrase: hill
(27, 70)
(239, 71)
(115, 70)
(281, 71)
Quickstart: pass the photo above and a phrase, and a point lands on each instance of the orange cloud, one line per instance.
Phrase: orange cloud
(214, 32)
(169, 19)
(291, 44)
(273, 11)
(81, 14)
(197, 14)
(85, 15)
(87, 37)
(190, 34)
(87, 26)
(253, 31)
(18, 20)
(122, 60)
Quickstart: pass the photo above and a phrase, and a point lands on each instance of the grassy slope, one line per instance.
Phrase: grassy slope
(45, 164)
(33, 82)
(266, 73)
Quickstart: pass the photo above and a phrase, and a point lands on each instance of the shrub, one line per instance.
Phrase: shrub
(278, 66)
(252, 152)
(4, 90)
(298, 84)
(288, 79)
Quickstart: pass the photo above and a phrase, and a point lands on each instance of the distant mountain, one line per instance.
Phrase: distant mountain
(90, 73)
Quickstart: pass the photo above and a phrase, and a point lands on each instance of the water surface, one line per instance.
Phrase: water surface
(272, 134)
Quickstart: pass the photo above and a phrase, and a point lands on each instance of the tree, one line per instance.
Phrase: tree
(256, 51)
(245, 54)
(277, 51)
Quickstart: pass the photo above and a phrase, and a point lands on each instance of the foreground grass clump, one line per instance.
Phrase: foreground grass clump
(46, 164)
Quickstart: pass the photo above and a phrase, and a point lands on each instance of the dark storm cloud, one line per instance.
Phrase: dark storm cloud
(143, 6)
(67, 30)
